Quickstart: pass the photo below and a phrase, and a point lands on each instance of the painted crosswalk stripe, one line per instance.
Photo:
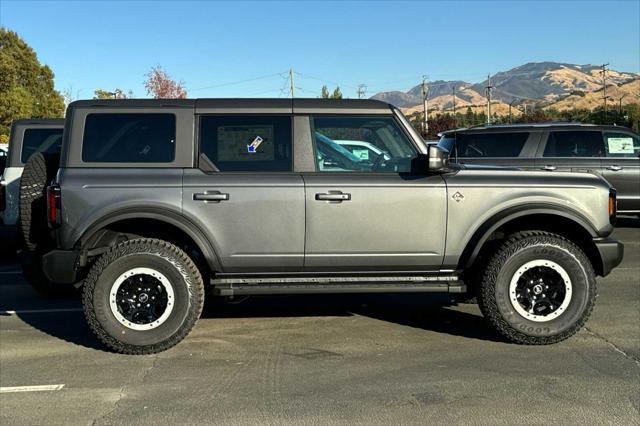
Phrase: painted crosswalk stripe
(38, 388)
(40, 311)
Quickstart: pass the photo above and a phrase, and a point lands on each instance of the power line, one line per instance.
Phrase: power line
(604, 87)
(231, 83)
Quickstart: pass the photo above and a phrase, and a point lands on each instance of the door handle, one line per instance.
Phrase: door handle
(215, 197)
(549, 168)
(614, 168)
(333, 196)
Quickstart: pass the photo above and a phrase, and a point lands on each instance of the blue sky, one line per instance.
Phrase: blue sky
(385, 45)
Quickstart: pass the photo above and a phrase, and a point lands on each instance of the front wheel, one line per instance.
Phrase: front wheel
(538, 289)
(143, 296)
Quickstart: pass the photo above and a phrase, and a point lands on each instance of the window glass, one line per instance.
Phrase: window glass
(621, 145)
(490, 144)
(40, 140)
(361, 144)
(129, 138)
(247, 143)
(574, 144)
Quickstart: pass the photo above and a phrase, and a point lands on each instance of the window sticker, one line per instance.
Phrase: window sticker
(362, 154)
(620, 145)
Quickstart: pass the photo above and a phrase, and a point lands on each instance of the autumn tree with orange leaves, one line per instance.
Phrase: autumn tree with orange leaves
(160, 85)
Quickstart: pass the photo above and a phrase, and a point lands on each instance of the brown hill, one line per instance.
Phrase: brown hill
(591, 100)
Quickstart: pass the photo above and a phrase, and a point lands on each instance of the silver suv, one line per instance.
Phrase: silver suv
(156, 199)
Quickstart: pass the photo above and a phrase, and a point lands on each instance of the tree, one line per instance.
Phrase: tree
(116, 94)
(160, 85)
(325, 93)
(337, 94)
(26, 86)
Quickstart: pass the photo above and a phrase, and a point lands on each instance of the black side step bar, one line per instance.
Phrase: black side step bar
(337, 285)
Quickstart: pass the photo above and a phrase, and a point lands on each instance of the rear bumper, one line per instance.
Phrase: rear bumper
(611, 253)
(62, 266)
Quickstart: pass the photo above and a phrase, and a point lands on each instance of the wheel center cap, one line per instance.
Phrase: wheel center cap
(537, 289)
(143, 297)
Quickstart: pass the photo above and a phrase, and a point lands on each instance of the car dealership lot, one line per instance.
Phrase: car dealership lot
(325, 359)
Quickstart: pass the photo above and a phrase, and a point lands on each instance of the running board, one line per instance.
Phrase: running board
(337, 285)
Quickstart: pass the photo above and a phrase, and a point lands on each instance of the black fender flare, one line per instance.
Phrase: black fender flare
(162, 215)
(475, 243)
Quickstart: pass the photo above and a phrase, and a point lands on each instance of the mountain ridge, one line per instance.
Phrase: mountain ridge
(542, 83)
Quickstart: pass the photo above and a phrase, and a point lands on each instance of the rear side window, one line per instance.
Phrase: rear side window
(247, 143)
(621, 145)
(129, 138)
(490, 144)
(40, 140)
(574, 144)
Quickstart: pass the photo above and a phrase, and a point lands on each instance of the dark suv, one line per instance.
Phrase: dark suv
(610, 151)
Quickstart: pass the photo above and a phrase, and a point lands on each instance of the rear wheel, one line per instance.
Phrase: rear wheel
(143, 296)
(539, 288)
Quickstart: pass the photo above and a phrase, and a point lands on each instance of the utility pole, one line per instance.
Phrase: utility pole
(621, 98)
(425, 104)
(604, 88)
(488, 88)
(362, 89)
(510, 105)
(291, 80)
(454, 101)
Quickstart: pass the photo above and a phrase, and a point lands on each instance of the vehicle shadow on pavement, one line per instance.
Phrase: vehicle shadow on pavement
(69, 326)
(429, 312)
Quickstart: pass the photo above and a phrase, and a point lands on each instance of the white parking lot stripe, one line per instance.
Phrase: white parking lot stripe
(40, 388)
(40, 311)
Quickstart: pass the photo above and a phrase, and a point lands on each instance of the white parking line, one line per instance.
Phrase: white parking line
(39, 388)
(40, 311)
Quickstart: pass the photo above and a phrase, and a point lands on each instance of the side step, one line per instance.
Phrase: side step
(337, 285)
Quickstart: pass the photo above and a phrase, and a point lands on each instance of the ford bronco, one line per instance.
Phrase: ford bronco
(155, 200)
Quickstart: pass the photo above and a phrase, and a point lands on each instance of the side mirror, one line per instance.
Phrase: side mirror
(438, 159)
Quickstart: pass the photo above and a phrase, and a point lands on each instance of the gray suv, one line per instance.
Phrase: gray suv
(610, 151)
(155, 200)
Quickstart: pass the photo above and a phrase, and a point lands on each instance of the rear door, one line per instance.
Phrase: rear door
(571, 151)
(509, 149)
(245, 195)
(621, 167)
(373, 212)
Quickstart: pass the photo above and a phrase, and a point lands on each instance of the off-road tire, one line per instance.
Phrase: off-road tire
(38, 172)
(33, 232)
(165, 257)
(519, 248)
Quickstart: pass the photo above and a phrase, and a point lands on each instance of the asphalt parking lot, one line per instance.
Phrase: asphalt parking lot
(381, 359)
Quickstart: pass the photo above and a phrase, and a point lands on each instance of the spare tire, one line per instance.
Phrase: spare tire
(33, 233)
(37, 174)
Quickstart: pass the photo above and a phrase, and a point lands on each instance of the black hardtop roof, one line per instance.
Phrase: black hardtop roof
(247, 103)
(54, 122)
(534, 126)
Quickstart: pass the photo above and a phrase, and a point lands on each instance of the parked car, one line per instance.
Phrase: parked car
(3, 158)
(154, 199)
(28, 136)
(610, 151)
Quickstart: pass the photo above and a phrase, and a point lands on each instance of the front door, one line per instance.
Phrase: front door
(621, 167)
(245, 196)
(366, 209)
